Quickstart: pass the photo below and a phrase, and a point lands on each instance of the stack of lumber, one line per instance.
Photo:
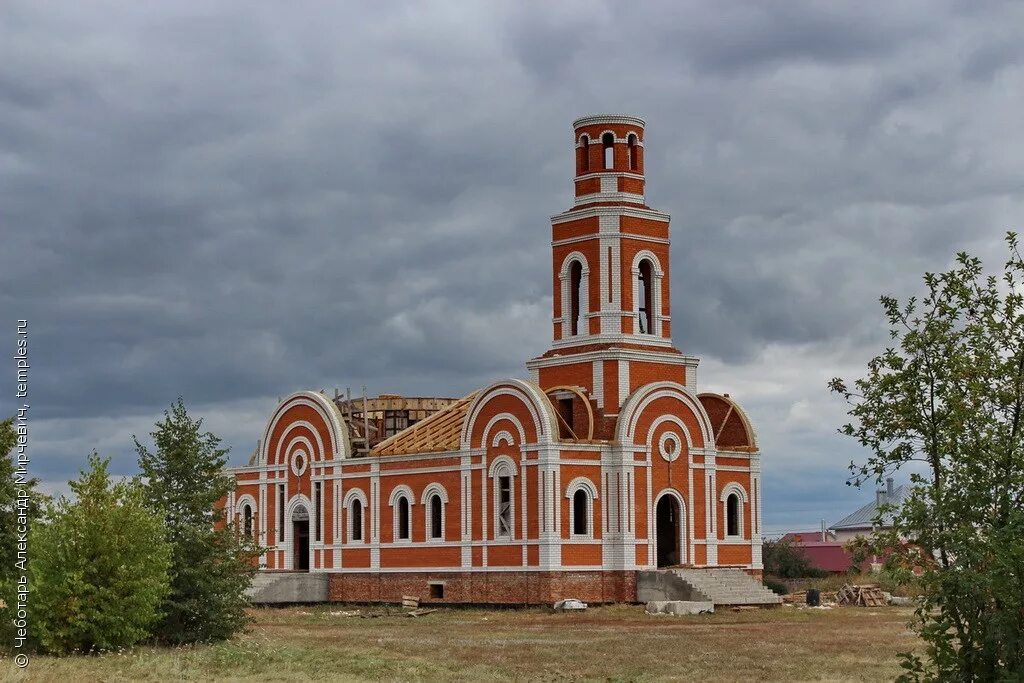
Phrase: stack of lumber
(861, 596)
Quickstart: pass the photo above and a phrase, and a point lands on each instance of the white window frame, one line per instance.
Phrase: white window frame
(426, 499)
(733, 489)
(350, 497)
(590, 490)
(657, 275)
(397, 494)
(503, 466)
(566, 284)
(240, 505)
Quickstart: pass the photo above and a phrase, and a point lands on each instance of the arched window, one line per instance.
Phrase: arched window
(436, 517)
(585, 149)
(502, 473)
(645, 296)
(356, 517)
(580, 513)
(581, 493)
(402, 526)
(732, 515)
(634, 163)
(247, 520)
(575, 282)
(608, 142)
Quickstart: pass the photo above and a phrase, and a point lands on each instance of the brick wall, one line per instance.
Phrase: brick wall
(499, 588)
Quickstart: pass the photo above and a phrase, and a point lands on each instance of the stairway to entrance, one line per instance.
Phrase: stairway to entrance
(722, 586)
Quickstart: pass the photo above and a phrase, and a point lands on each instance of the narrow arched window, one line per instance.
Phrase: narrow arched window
(402, 532)
(247, 520)
(580, 513)
(357, 521)
(436, 518)
(503, 498)
(732, 515)
(608, 142)
(575, 282)
(645, 298)
(634, 163)
(585, 154)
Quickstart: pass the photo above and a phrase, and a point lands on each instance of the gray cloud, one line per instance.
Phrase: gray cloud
(230, 201)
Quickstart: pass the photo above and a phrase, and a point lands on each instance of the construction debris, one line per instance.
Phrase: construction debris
(570, 605)
(410, 601)
(861, 596)
(420, 612)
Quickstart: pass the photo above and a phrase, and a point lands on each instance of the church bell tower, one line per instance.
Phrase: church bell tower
(611, 314)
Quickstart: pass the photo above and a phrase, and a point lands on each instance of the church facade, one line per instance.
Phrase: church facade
(609, 459)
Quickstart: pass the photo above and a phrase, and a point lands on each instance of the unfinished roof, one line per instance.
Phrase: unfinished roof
(436, 434)
(733, 431)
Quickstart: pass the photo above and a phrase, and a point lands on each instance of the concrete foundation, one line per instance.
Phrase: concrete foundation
(281, 588)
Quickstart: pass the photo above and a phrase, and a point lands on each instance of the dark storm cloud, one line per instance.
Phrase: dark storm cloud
(232, 201)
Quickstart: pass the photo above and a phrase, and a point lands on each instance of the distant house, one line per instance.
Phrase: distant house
(824, 549)
(862, 521)
(796, 537)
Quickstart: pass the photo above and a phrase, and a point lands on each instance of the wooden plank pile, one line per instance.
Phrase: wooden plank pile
(861, 596)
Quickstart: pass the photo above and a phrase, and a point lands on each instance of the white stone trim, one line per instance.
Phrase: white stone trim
(586, 485)
(565, 281)
(603, 196)
(504, 436)
(733, 488)
(592, 211)
(340, 446)
(503, 466)
(353, 495)
(533, 399)
(397, 493)
(614, 119)
(643, 396)
(434, 489)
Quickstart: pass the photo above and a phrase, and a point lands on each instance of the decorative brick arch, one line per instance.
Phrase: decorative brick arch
(297, 411)
(634, 409)
(539, 422)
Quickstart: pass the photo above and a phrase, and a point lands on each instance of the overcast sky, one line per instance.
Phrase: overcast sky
(233, 201)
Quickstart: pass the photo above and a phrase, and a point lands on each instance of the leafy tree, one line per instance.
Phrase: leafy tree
(211, 567)
(98, 568)
(786, 561)
(947, 399)
(16, 499)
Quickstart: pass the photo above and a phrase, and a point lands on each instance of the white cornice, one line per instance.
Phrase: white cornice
(595, 119)
(610, 174)
(615, 354)
(593, 211)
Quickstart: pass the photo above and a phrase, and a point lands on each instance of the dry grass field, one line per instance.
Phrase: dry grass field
(605, 643)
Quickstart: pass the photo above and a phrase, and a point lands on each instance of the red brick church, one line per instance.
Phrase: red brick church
(607, 460)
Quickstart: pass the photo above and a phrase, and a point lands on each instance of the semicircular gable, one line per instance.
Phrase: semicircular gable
(308, 416)
(731, 426)
(505, 404)
(657, 399)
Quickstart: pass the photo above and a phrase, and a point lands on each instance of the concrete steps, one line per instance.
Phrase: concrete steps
(722, 586)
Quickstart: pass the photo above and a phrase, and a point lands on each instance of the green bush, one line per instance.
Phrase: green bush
(775, 585)
(99, 567)
(783, 559)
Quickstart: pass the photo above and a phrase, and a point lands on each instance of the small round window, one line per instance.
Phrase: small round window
(299, 463)
(670, 446)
